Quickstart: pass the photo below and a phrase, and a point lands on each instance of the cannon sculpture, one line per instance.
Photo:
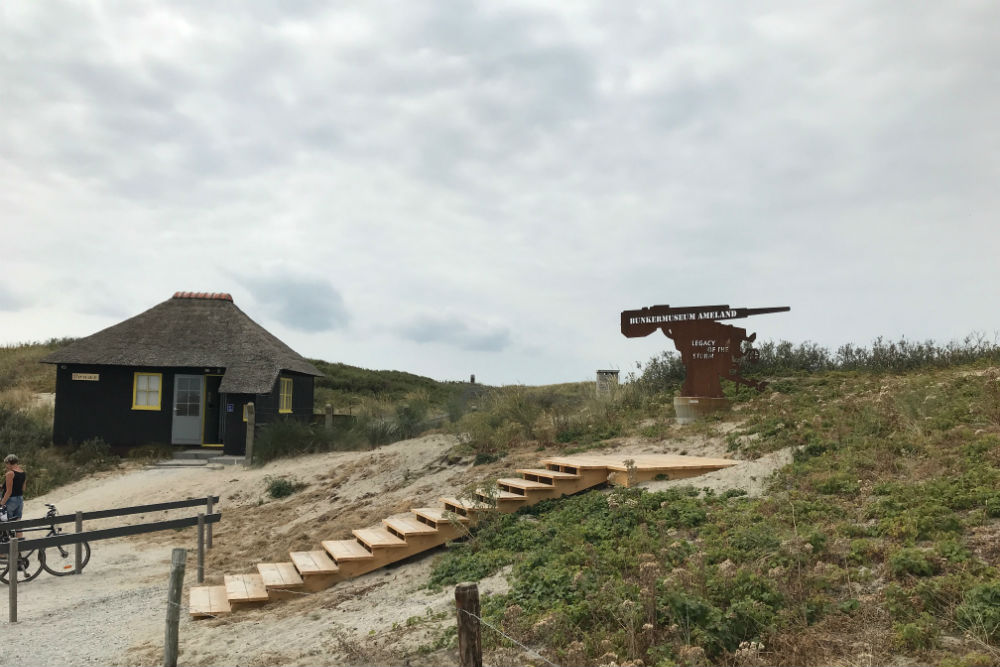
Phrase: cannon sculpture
(710, 350)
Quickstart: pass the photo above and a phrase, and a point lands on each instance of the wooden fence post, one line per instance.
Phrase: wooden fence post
(208, 528)
(79, 545)
(328, 422)
(12, 556)
(178, 559)
(470, 647)
(201, 548)
(250, 428)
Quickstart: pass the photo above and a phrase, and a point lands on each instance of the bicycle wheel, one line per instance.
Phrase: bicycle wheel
(29, 566)
(61, 561)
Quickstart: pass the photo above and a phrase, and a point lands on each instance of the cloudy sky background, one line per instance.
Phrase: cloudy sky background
(458, 187)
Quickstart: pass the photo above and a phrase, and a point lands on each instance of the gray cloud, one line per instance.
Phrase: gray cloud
(453, 331)
(517, 159)
(305, 304)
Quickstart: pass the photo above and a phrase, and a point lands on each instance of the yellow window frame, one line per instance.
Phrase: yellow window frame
(135, 391)
(285, 397)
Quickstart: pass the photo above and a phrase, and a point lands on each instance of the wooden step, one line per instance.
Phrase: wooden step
(548, 474)
(378, 538)
(464, 507)
(401, 526)
(501, 496)
(576, 462)
(525, 484)
(313, 562)
(208, 601)
(346, 550)
(438, 515)
(279, 575)
(245, 588)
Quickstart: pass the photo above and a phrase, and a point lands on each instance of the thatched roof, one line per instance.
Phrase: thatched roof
(192, 330)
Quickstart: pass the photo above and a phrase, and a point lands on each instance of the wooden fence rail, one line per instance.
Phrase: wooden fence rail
(121, 531)
(118, 511)
(16, 546)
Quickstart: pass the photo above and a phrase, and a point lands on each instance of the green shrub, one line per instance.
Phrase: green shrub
(866, 552)
(282, 487)
(918, 635)
(292, 437)
(912, 561)
(93, 453)
(979, 613)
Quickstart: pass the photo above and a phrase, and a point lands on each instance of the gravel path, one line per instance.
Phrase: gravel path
(91, 619)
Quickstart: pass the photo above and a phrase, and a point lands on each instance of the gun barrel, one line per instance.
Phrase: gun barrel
(637, 323)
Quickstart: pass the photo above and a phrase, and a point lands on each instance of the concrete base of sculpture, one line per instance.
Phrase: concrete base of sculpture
(690, 409)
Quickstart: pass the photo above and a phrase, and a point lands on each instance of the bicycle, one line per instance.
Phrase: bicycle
(56, 560)
(29, 563)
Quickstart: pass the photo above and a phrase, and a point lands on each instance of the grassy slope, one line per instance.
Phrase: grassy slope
(347, 386)
(879, 541)
(19, 367)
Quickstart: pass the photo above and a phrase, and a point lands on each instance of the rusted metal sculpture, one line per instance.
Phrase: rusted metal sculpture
(710, 350)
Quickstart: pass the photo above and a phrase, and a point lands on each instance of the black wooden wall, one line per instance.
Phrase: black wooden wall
(103, 409)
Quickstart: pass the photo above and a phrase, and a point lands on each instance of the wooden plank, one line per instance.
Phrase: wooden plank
(279, 575)
(346, 550)
(313, 562)
(377, 538)
(501, 495)
(408, 525)
(245, 588)
(208, 601)
(578, 462)
(439, 515)
(525, 484)
(551, 474)
(467, 505)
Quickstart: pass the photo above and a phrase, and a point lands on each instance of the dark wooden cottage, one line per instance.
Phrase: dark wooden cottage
(179, 373)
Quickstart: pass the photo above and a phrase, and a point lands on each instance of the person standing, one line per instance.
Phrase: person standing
(13, 488)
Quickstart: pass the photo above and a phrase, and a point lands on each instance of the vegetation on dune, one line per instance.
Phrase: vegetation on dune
(879, 539)
(20, 369)
(349, 386)
(28, 433)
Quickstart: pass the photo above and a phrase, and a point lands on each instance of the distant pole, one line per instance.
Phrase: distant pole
(178, 559)
(79, 545)
(12, 556)
(329, 417)
(470, 647)
(250, 424)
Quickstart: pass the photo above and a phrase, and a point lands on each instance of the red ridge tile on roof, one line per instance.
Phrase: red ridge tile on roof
(221, 296)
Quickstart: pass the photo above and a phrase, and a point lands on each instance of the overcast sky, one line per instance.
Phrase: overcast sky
(457, 187)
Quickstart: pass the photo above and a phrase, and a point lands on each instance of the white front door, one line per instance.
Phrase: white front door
(187, 410)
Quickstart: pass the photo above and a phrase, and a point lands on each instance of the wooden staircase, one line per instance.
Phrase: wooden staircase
(422, 529)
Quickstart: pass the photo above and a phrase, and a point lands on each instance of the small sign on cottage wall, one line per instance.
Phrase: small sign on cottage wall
(89, 377)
